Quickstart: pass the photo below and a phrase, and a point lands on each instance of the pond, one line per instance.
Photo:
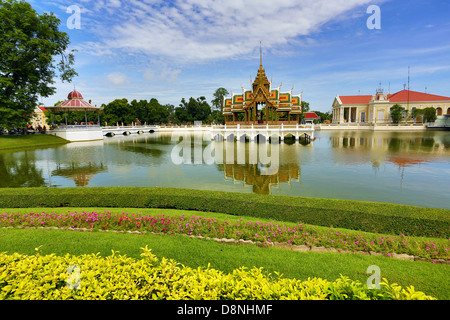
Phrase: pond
(398, 167)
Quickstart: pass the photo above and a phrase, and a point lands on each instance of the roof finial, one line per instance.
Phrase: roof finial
(260, 53)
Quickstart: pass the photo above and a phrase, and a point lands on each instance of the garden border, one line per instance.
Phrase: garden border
(275, 244)
(348, 214)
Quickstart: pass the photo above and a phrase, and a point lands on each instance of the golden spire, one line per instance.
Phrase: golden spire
(260, 54)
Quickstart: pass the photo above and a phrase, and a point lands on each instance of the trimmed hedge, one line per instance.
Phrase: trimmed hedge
(356, 215)
(117, 277)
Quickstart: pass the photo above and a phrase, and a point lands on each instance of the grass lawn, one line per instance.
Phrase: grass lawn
(29, 140)
(430, 278)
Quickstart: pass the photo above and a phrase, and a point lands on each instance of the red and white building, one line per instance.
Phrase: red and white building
(376, 108)
(310, 117)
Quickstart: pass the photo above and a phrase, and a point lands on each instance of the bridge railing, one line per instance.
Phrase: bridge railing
(262, 127)
(78, 127)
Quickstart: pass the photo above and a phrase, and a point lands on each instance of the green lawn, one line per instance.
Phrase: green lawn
(424, 276)
(430, 278)
(29, 140)
(419, 225)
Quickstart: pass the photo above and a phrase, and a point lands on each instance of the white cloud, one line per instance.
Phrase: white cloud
(197, 31)
(117, 78)
(161, 72)
(114, 3)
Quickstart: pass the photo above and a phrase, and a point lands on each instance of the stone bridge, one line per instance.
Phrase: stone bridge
(262, 132)
(127, 130)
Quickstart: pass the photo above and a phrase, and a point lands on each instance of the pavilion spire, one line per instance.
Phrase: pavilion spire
(260, 54)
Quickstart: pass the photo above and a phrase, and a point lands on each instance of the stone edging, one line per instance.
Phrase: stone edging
(281, 245)
(305, 248)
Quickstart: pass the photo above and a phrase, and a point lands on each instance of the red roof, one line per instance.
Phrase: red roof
(355, 99)
(76, 103)
(414, 96)
(401, 96)
(42, 108)
(74, 95)
(311, 115)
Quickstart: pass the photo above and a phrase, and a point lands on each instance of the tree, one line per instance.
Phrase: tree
(305, 106)
(217, 117)
(28, 43)
(119, 111)
(397, 113)
(219, 96)
(140, 110)
(324, 116)
(157, 112)
(415, 113)
(193, 110)
(429, 114)
(171, 109)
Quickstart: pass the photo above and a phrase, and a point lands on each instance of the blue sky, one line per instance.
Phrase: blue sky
(177, 49)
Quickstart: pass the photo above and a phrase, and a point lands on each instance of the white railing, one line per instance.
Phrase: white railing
(265, 127)
(77, 127)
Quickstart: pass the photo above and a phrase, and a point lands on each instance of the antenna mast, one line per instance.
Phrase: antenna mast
(408, 87)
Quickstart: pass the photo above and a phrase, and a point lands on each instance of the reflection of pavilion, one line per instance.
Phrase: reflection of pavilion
(80, 174)
(250, 174)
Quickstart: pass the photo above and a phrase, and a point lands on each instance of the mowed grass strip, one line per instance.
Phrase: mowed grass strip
(29, 140)
(430, 278)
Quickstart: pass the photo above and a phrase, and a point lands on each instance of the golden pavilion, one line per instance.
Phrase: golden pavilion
(262, 104)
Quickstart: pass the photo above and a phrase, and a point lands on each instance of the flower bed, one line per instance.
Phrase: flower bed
(118, 277)
(261, 232)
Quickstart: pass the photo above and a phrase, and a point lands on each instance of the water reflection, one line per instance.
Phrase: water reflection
(250, 174)
(81, 174)
(20, 170)
(393, 141)
(408, 168)
(240, 168)
(403, 149)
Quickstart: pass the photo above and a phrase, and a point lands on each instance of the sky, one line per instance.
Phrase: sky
(169, 50)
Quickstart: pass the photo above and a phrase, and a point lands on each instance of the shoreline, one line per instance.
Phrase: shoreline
(32, 141)
(372, 127)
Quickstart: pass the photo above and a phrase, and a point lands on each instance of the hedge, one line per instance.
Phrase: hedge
(356, 215)
(117, 277)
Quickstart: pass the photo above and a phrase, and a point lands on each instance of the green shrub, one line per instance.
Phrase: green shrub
(357, 215)
(91, 277)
